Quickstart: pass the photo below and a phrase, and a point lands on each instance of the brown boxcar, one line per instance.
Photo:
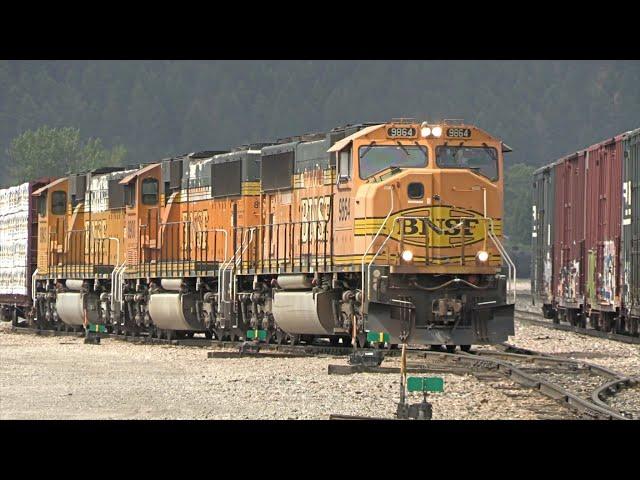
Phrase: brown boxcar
(587, 238)
(603, 214)
(569, 232)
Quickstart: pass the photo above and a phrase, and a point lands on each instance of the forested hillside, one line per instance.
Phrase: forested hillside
(152, 109)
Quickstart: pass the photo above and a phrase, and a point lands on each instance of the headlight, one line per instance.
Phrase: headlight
(436, 131)
(425, 131)
(407, 255)
(482, 256)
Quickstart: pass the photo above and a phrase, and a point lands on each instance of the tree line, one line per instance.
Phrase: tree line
(57, 116)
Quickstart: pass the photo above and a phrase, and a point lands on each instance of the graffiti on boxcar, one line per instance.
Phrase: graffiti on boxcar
(607, 290)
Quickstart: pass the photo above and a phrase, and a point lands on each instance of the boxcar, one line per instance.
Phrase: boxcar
(594, 272)
(630, 271)
(568, 237)
(542, 238)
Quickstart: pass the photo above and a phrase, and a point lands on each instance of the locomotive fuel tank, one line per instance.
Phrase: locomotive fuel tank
(297, 309)
(174, 311)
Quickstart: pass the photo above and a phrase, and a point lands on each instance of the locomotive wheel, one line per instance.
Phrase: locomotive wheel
(294, 339)
(208, 334)
(465, 348)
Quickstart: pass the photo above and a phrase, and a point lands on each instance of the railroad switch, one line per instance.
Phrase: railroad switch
(422, 410)
(367, 359)
(415, 411)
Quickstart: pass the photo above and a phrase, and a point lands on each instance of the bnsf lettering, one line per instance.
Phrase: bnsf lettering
(450, 226)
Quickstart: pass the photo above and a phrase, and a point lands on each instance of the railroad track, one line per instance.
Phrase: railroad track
(574, 384)
(537, 319)
(278, 350)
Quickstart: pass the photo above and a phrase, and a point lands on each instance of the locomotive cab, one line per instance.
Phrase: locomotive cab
(421, 205)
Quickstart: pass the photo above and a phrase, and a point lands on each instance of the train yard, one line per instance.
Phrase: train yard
(543, 373)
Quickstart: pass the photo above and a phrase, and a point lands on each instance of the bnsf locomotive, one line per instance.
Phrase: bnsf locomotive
(389, 228)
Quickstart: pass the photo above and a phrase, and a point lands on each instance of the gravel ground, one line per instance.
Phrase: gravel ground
(620, 357)
(62, 378)
(628, 400)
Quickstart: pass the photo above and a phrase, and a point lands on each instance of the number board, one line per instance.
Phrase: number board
(458, 132)
(402, 132)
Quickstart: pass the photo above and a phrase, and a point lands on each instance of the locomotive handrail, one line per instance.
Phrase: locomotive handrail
(510, 265)
(364, 257)
(33, 286)
(117, 240)
(385, 242)
(503, 252)
(226, 237)
(227, 264)
(250, 239)
(117, 284)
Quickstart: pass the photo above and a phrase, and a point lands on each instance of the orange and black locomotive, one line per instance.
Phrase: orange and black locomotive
(390, 228)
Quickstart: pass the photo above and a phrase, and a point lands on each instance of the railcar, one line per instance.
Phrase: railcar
(542, 235)
(583, 210)
(630, 263)
(18, 248)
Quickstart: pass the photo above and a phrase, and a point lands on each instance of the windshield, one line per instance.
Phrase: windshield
(482, 160)
(375, 158)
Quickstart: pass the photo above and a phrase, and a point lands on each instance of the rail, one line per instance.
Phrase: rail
(279, 246)
(178, 249)
(80, 254)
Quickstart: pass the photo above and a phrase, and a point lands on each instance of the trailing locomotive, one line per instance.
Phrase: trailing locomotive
(585, 263)
(390, 228)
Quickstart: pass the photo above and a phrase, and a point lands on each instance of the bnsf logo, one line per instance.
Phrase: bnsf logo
(445, 226)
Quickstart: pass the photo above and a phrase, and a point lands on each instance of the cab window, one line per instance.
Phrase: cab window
(344, 164)
(149, 191)
(376, 158)
(59, 202)
(482, 160)
(130, 194)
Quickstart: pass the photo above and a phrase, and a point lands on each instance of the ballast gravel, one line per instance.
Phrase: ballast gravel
(62, 378)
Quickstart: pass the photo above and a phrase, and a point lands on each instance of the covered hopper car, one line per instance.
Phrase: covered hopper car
(18, 248)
